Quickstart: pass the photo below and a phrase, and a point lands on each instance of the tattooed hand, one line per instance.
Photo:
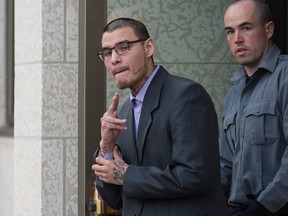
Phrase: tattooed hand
(111, 126)
(111, 171)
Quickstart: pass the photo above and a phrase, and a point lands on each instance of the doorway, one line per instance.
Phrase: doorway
(279, 13)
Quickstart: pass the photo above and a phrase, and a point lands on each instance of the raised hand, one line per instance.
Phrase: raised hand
(111, 127)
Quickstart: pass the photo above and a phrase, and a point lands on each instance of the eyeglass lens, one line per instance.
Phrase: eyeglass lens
(120, 49)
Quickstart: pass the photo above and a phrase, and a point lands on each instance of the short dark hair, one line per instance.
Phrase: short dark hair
(263, 9)
(138, 27)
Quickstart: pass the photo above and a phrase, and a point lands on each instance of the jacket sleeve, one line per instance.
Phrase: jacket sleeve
(111, 194)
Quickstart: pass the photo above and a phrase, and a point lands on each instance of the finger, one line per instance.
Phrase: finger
(114, 105)
(116, 153)
(95, 169)
(114, 114)
(106, 119)
(116, 125)
(99, 161)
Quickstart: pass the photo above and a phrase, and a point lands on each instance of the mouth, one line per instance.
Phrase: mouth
(240, 51)
(119, 71)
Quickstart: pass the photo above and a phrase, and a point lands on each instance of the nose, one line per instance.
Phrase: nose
(238, 37)
(115, 57)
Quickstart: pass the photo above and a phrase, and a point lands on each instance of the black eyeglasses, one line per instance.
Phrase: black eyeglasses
(121, 48)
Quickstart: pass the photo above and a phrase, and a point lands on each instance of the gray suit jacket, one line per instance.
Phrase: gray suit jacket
(173, 163)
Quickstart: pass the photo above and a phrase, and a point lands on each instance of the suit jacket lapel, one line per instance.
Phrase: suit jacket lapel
(150, 103)
(127, 138)
(131, 138)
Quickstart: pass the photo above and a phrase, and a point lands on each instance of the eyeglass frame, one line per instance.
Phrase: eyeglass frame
(100, 53)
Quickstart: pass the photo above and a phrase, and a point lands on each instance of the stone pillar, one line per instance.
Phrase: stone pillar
(46, 107)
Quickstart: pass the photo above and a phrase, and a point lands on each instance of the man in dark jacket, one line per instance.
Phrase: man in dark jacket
(167, 133)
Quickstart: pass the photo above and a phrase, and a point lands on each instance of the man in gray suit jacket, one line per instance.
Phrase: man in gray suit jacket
(158, 154)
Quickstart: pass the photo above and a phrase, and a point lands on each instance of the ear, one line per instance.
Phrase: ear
(269, 27)
(149, 47)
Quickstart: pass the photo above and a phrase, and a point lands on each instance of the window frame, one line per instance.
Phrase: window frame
(10, 64)
(7, 128)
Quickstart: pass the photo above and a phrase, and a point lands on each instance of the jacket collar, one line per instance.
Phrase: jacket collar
(150, 103)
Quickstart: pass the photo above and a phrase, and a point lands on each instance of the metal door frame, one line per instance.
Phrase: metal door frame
(92, 93)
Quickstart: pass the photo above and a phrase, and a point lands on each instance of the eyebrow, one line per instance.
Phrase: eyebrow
(244, 24)
(241, 25)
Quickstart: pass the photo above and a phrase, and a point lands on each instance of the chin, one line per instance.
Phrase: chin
(243, 60)
(121, 86)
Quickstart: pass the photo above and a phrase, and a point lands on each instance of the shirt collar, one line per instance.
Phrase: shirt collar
(269, 63)
(142, 92)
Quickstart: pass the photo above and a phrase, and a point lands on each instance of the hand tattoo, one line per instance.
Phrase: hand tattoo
(119, 170)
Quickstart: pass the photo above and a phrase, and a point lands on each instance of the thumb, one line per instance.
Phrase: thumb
(116, 153)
